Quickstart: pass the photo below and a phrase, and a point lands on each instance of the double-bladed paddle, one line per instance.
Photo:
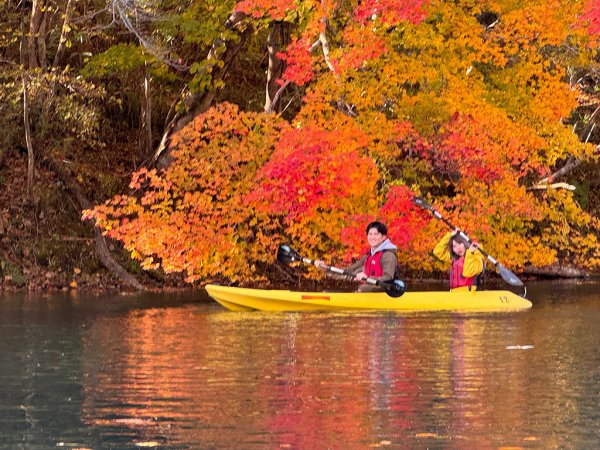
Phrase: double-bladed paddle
(506, 274)
(393, 288)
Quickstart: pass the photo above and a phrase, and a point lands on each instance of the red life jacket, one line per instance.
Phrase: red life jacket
(456, 276)
(372, 265)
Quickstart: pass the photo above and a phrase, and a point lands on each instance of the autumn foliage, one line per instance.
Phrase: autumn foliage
(192, 216)
(464, 103)
(591, 17)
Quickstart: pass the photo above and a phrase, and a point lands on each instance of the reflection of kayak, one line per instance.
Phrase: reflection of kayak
(242, 299)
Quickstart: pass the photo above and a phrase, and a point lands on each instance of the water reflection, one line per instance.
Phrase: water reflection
(306, 381)
(196, 376)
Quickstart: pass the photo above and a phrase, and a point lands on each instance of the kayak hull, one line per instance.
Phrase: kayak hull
(245, 299)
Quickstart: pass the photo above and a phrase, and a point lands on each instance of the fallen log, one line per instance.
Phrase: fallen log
(555, 271)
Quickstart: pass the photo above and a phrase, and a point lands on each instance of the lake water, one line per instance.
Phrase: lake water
(178, 371)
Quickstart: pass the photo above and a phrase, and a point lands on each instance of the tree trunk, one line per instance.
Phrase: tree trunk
(26, 123)
(278, 38)
(30, 154)
(37, 35)
(102, 249)
(60, 51)
(146, 118)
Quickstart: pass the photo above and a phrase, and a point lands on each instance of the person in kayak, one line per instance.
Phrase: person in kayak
(467, 264)
(379, 261)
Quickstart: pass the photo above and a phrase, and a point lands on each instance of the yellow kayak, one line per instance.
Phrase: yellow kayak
(462, 300)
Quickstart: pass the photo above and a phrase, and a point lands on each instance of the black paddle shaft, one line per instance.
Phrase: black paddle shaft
(287, 255)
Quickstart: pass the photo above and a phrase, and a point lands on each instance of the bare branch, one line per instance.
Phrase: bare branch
(590, 133)
(92, 15)
(571, 164)
(324, 44)
(325, 47)
(289, 103)
(275, 99)
(133, 14)
(566, 186)
(222, 50)
(314, 46)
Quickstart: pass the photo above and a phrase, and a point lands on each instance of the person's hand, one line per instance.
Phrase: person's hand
(474, 246)
(320, 264)
(360, 276)
(456, 232)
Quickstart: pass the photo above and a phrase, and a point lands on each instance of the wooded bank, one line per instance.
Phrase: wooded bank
(315, 116)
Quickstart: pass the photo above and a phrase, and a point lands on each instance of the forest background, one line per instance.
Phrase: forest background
(170, 142)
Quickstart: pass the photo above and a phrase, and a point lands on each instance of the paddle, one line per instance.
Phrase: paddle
(506, 274)
(393, 288)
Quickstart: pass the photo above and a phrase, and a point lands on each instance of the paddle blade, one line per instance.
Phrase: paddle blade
(287, 255)
(394, 288)
(508, 276)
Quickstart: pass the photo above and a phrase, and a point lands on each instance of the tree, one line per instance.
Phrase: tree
(464, 103)
(194, 216)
